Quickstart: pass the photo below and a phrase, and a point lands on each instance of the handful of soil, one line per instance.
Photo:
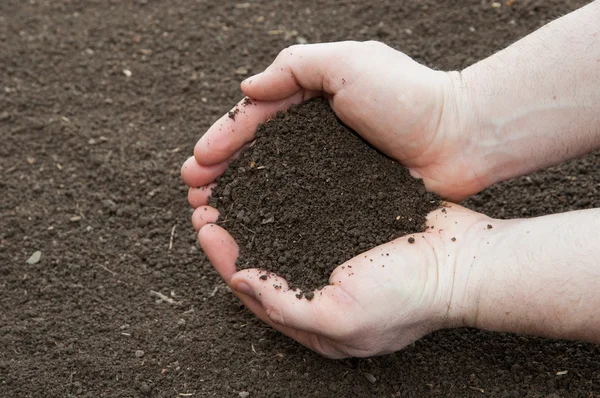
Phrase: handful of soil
(309, 194)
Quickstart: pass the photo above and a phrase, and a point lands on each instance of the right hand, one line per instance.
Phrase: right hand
(408, 111)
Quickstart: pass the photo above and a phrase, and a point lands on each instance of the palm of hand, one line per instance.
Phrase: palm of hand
(377, 302)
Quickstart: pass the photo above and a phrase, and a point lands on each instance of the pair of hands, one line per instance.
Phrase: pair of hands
(409, 112)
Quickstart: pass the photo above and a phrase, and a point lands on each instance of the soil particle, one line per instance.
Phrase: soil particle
(232, 113)
(326, 194)
(145, 388)
(411, 240)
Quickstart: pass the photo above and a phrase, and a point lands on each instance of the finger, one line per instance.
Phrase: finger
(204, 215)
(325, 67)
(303, 337)
(220, 248)
(222, 251)
(199, 196)
(195, 175)
(230, 134)
(287, 307)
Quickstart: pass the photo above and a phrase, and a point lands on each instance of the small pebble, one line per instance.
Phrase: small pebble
(139, 353)
(370, 378)
(35, 258)
(244, 394)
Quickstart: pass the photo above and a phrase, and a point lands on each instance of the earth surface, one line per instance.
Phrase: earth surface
(100, 103)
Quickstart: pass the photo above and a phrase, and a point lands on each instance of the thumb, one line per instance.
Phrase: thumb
(314, 312)
(313, 68)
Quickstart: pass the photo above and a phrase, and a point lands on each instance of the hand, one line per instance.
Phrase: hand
(406, 110)
(376, 303)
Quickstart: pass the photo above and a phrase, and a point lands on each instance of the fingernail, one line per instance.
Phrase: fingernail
(244, 288)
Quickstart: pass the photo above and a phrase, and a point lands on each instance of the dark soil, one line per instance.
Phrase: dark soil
(310, 194)
(89, 176)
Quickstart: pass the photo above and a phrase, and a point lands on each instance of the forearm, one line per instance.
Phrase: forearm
(540, 276)
(537, 102)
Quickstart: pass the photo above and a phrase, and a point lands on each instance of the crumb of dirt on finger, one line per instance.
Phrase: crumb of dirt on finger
(453, 239)
(444, 210)
(263, 277)
(489, 226)
(309, 295)
(247, 101)
(233, 113)
(299, 295)
(411, 240)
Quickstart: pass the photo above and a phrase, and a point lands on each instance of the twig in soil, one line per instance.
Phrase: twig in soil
(109, 270)
(245, 227)
(171, 240)
(162, 297)
(481, 390)
(214, 291)
(253, 349)
(79, 211)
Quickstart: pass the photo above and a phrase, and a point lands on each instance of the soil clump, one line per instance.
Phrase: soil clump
(309, 194)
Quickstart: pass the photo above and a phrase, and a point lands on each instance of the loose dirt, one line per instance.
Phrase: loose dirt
(309, 194)
(89, 176)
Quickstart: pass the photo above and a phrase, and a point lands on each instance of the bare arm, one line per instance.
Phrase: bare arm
(537, 102)
(539, 276)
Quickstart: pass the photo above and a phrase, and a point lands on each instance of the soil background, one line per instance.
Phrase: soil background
(89, 176)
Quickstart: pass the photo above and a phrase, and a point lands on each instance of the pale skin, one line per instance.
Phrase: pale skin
(534, 104)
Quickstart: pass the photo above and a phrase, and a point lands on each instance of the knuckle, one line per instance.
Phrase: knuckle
(288, 51)
(275, 314)
(376, 45)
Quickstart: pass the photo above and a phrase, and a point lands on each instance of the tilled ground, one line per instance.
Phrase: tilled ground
(100, 103)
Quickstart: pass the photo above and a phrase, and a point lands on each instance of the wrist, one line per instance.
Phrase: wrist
(488, 129)
(471, 272)
(465, 140)
(478, 266)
